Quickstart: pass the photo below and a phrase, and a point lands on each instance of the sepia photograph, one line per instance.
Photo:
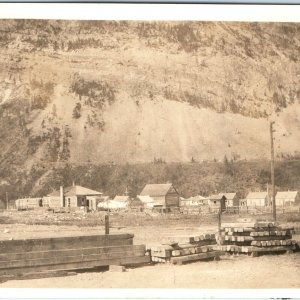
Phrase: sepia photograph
(152, 154)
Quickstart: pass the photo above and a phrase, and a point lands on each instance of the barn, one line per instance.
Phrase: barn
(164, 195)
(288, 198)
(259, 199)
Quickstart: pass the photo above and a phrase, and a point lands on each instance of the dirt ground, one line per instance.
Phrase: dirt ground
(274, 271)
(270, 271)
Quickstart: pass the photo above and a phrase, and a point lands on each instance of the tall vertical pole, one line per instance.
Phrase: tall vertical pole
(6, 195)
(272, 171)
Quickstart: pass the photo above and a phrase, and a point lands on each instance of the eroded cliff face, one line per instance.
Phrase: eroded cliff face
(99, 92)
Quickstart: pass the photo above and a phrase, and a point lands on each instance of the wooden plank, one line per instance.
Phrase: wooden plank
(69, 259)
(160, 259)
(124, 261)
(192, 250)
(195, 257)
(68, 252)
(73, 242)
(162, 251)
(255, 238)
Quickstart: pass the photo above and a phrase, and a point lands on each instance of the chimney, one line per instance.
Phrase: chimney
(61, 195)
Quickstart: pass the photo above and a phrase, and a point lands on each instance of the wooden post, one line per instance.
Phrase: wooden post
(106, 224)
(272, 171)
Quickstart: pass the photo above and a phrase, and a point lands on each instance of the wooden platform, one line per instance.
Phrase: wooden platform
(69, 253)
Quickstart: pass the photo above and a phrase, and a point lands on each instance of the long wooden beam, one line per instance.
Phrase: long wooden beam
(70, 242)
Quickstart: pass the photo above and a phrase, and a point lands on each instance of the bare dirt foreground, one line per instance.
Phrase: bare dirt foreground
(272, 271)
(279, 271)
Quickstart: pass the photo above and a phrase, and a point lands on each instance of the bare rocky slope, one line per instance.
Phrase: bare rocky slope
(91, 92)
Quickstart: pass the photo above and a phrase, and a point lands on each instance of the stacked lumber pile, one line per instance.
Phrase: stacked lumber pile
(256, 237)
(179, 250)
(18, 257)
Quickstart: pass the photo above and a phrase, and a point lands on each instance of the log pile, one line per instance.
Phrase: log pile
(179, 250)
(255, 238)
(19, 257)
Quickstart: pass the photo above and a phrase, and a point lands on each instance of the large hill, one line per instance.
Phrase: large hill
(130, 92)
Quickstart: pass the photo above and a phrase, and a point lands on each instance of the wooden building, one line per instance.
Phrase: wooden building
(288, 198)
(164, 195)
(146, 201)
(194, 201)
(28, 203)
(258, 199)
(217, 201)
(72, 196)
(231, 199)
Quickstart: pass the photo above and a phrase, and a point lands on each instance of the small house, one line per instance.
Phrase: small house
(217, 201)
(231, 199)
(288, 198)
(72, 196)
(259, 199)
(164, 195)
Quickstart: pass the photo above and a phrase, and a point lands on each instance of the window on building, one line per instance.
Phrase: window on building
(69, 202)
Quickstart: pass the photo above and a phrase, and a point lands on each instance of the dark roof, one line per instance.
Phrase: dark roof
(155, 190)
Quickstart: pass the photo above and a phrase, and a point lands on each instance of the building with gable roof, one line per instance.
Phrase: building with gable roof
(257, 199)
(287, 198)
(72, 196)
(164, 195)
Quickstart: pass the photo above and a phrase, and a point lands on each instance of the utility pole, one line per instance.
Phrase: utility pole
(272, 171)
(6, 195)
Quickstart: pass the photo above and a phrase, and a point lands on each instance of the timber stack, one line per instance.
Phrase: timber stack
(258, 237)
(180, 250)
(20, 257)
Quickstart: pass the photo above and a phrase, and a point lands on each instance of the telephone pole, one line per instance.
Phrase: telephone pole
(272, 171)
(6, 196)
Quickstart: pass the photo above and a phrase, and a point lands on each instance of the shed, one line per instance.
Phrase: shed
(28, 203)
(257, 199)
(164, 195)
(217, 201)
(288, 198)
(231, 199)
